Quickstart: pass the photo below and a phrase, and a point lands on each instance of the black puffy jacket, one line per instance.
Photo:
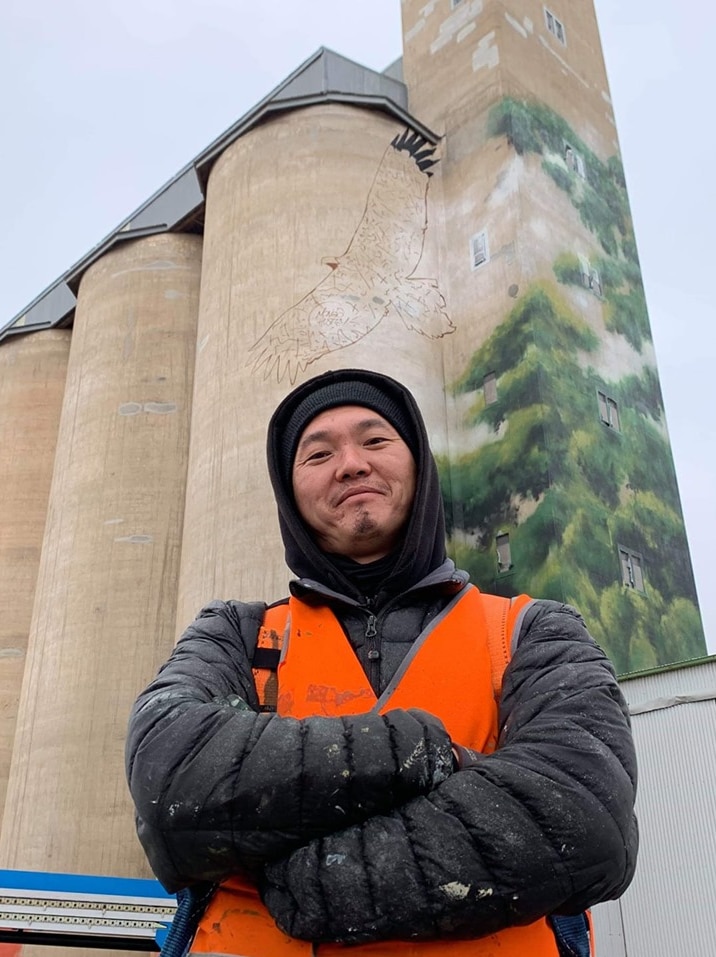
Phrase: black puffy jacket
(350, 841)
(356, 828)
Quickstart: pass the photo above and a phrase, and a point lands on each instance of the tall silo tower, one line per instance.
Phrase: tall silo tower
(557, 469)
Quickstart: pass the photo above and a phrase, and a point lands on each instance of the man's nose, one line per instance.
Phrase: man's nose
(352, 462)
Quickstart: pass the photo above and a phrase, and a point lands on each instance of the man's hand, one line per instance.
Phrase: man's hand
(543, 825)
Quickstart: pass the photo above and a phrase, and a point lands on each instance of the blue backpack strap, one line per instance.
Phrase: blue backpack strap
(191, 904)
(571, 934)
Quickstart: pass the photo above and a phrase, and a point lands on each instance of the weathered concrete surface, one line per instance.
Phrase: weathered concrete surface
(105, 601)
(32, 384)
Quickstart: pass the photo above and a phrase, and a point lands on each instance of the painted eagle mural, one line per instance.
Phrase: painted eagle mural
(373, 280)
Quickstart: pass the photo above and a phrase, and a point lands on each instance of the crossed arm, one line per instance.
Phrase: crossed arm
(221, 789)
(355, 829)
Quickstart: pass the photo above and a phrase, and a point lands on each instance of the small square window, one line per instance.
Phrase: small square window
(632, 566)
(555, 27)
(504, 555)
(489, 388)
(479, 250)
(608, 411)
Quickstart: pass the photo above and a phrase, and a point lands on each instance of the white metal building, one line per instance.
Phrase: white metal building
(670, 909)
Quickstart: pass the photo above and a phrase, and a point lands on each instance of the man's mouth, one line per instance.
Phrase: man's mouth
(358, 490)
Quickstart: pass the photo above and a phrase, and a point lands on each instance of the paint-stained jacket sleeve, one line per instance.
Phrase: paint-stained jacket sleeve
(221, 789)
(544, 825)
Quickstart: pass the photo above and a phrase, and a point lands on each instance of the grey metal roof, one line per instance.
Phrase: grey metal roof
(662, 669)
(179, 205)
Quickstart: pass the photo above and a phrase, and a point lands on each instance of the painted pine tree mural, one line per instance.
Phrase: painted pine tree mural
(576, 475)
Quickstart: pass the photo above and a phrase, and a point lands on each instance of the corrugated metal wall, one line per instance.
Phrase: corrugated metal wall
(670, 909)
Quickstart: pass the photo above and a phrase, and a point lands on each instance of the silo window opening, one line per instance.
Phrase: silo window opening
(590, 276)
(608, 411)
(555, 26)
(574, 161)
(504, 555)
(632, 569)
(585, 271)
(489, 388)
(479, 250)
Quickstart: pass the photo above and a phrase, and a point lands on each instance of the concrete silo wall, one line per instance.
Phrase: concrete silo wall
(105, 600)
(32, 382)
(317, 255)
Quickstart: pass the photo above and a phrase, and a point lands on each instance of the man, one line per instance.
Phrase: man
(384, 804)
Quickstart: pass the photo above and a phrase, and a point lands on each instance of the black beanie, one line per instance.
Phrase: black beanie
(354, 387)
(423, 547)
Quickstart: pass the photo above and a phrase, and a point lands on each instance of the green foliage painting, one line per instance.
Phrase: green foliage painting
(577, 470)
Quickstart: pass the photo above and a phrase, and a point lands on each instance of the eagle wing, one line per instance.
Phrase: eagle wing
(337, 312)
(359, 291)
(395, 216)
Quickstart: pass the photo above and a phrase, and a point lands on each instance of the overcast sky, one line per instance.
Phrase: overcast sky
(103, 102)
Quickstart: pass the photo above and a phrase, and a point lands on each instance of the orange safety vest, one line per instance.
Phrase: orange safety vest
(454, 670)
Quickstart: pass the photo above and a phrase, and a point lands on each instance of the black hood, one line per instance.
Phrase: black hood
(423, 546)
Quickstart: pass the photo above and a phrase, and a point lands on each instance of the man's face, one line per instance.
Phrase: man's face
(354, 482)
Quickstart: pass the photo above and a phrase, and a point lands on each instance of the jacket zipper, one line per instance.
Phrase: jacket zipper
(373, 653)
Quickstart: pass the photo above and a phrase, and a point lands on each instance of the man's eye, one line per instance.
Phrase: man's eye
(317, 456)
(376, 440)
